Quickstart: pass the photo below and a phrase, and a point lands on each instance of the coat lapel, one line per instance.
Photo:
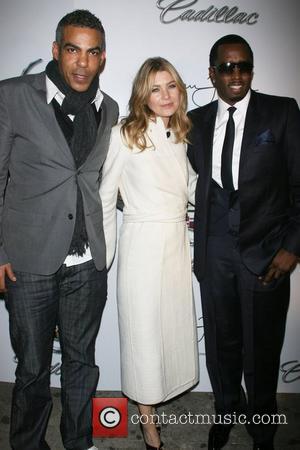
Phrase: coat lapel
(174, 151)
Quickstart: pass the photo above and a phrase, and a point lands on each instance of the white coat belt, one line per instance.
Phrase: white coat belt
(166, 217)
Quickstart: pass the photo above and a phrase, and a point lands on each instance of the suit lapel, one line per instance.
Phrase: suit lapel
(208, 138)
(99, 149)
(49, 120)
(252, 124)
(103, 121)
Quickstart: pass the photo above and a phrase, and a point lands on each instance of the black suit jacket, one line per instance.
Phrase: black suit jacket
(269, 179)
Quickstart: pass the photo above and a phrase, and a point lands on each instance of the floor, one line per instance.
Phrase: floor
(180, 436)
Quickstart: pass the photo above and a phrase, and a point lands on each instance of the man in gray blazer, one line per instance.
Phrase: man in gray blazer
(54, 136)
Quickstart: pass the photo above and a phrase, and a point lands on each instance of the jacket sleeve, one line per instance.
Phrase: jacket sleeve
(291, 241)
(6, 142)
(191, 146)
(111, 176)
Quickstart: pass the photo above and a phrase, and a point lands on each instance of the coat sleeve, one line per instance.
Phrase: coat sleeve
(193, 177)
(111, 176)
(291, 241)
(6, 142)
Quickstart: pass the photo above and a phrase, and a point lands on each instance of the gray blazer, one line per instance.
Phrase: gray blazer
(38, 205)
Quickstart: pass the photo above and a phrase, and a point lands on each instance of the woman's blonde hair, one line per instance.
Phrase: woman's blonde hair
(135, 124)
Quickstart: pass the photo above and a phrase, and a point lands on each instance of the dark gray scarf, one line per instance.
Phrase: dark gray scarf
(82, 141)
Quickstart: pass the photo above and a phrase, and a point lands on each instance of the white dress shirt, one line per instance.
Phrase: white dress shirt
(239, 117)
(54, 92)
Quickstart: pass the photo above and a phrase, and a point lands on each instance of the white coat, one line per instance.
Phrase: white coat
(158, 340)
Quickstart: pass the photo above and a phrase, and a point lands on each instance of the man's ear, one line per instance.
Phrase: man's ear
(103, 57)
(55, 50)
(211, 74)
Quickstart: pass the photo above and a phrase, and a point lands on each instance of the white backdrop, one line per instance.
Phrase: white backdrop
(135, 30)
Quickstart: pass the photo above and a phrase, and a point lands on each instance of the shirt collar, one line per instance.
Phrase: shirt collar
(52, 92)
(241, 106)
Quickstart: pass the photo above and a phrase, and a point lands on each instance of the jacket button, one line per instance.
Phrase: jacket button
(70, 216)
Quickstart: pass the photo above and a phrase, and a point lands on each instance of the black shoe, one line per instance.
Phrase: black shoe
(218, 436)
(265, 446)
(150, 447)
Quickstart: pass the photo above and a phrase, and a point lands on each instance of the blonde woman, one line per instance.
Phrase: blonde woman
(147, 162)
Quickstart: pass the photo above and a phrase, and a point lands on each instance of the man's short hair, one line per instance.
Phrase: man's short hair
(80, 18)
(228, 39)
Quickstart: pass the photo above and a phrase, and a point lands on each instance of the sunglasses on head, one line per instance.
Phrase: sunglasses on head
(228, 67)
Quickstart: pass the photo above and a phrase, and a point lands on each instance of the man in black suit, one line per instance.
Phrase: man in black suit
(245, 149)
(54, 135)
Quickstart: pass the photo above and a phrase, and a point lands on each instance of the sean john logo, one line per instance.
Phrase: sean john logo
(199, 96)
(31, 65)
